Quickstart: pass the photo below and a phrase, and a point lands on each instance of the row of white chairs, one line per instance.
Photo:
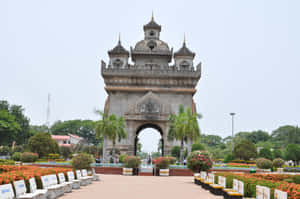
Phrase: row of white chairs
(237, 190)
(53, 186)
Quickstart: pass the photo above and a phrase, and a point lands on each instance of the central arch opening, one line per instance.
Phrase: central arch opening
(149, 140)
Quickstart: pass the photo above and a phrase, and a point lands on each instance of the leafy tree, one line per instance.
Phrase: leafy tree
(265, 153)
(24, 132)
(244, 150)
(277, 153)
(259, 136)
(211, 140)
(285, 135)
(82, 128)
(175, 152)
(254, 136)
(139, 147)
(34, 129)
(5, 150)
(111, 127)
(8, 128)
(183, 126)
(292, 152)
(42, 144)
(65, 151)
(197, 147)
(14, 125)
(155, 155)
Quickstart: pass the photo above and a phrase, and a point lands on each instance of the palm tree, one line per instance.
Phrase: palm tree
(193, 130)
(112, 128)
(183, 127)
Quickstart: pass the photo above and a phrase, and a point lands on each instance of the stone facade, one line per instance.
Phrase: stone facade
(149, 90)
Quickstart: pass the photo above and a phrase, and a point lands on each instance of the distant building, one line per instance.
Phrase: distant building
(67, 140)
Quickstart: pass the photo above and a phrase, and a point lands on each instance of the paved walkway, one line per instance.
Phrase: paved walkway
(141, 187)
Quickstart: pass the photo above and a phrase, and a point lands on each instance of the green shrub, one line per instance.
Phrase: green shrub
(296, 179)
(278, 162)
(289, 180)
(132, 162)
(244, 161)
(228, 158)
(197, 147)
(122, 158)
(7, 162)
(65, 151)
(53, 156)
(175, 151)
(17, 156)
(199, 161)
(82, 161)
(29, 157)
(265, 153)
(263, 163)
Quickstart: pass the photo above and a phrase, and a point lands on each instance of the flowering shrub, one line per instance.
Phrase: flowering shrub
(82, 161)
(164, 162)
(13, 173)
(273, 181)
(132, 161)
(199, 161)
(278, 162)
(263, 163)
(241, 165)
(29, 157)
(122, 158)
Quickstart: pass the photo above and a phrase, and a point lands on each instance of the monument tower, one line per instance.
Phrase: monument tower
(146, 91)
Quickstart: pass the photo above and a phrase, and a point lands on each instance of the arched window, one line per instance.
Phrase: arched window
(152, 33)
(184, 65)
(151, 44)
(117, 63)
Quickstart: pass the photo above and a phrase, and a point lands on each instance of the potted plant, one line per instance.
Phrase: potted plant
(131, 165)
(199, 161)
(163, 163)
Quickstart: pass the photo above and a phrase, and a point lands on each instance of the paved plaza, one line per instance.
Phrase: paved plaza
(141, 187)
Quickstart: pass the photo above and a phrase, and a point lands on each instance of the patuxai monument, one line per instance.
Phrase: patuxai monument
(150, 87)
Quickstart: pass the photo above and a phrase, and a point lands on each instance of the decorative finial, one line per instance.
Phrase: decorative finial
(152, 18)
(119, 40)
(184, 40)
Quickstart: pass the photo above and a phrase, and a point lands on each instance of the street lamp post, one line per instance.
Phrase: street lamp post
(232, 129)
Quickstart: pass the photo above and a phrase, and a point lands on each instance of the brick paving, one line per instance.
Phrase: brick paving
(141, 187)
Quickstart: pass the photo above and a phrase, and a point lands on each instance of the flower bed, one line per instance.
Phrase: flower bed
(13, 173)
(272, 181)
(240, 165)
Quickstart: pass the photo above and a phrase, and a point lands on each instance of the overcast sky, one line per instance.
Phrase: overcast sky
(249, 52)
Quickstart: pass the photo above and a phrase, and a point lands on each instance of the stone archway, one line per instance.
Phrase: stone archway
(150, 88)
(144, 126)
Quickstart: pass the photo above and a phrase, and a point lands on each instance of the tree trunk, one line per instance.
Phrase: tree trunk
(113, 153)
(104, 150)
(181, 151)
(189, 146)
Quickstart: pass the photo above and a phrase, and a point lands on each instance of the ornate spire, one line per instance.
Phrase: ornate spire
(184, 51)
(119, 49)
(152, 18)
(152, 24)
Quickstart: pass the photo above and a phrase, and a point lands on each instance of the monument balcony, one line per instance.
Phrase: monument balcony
(147, 72)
